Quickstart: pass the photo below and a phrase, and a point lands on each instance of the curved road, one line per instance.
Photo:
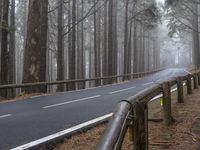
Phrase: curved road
(28, 120)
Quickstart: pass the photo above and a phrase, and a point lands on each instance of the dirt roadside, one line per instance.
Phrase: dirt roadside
(178, 136)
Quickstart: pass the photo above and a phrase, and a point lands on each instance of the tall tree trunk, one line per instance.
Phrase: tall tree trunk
(80, 45)
(112, 38)
(135, 38)
(148, 52)
(72, 50)
(4, 47)
(69, 39)
(20, 51)
(82, 51)
(130, 47)
(78, 42)
(96, 46)
(126, 50)
(115, 39)
(135, 48)
(91, 55)
(36, 45)
(139, 61)
(195, 24)
(1, 4)
(105, 41)
(12, 70)
(99, 44)
(60, 46)
(142, 58)
(154, 54)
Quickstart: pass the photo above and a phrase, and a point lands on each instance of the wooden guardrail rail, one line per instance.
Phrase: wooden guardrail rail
(133, 113)
(111, 79)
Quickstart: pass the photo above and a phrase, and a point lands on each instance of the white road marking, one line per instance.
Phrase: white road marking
(148, 83)
(187, 71)
(159, 80)
(173, 90)
(102, 86)
(4, 116)
(156, 97)
(73, 101)
(62, 133)
(161, 95)
(36, 96)
(122, 90)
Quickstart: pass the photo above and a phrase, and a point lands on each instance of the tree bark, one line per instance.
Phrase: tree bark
(126, 50)
(82, 51)
(143, 51)
(105, 41)
(80, 44)
(148, 52)
(72, 50)
(96, 45)
(69, 38)
(130, 47)
(36, 45)
(60, 47)
(135, 48)
(1, 4)
(195, 24)
(11, 62)
(112, 38)
(80, 47)
(115, 39)
(4, 47)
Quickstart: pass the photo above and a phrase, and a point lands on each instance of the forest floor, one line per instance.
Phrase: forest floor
(183, 134)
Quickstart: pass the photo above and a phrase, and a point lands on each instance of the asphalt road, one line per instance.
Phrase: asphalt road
(28, 120)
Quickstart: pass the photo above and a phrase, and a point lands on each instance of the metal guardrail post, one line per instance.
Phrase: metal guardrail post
(168, 119)
(189, 84)
(140, 127)
(195, 81)
(180, 90)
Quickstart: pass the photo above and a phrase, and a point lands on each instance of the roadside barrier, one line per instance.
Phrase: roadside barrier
(133, 113)
(67, 83)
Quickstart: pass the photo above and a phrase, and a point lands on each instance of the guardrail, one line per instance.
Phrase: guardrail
(133, 113)
(100, 80)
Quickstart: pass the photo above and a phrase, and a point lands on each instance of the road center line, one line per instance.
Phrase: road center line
(122, 90)
(148, 83)
(73, 101)
(4, 116)
(36, 96)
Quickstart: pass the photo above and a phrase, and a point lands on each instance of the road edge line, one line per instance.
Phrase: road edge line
(65, 133)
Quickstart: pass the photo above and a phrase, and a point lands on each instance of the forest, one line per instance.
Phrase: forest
(48, 40)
